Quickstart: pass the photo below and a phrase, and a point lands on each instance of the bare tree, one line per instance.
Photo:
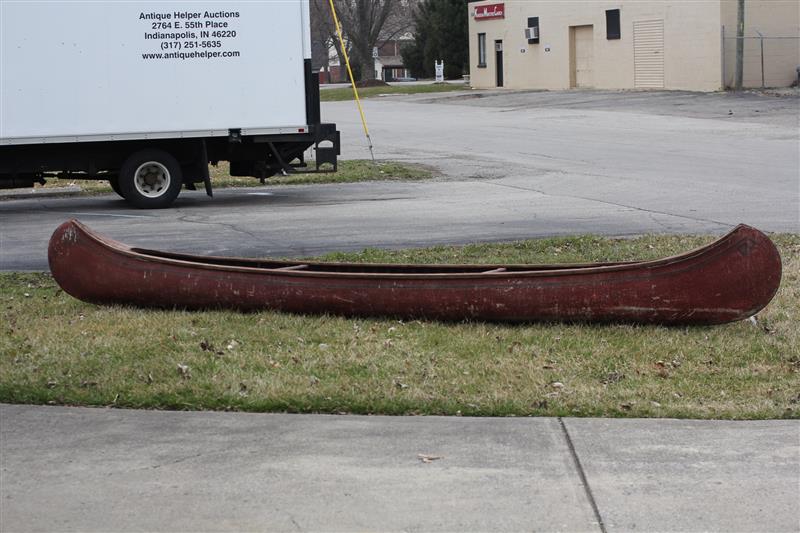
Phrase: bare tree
(320, 40)
(323, 32)
(366, 24)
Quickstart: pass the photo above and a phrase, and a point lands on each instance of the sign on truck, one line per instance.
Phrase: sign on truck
(147, 94)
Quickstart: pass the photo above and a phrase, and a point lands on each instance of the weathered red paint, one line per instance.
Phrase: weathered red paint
(730, 279)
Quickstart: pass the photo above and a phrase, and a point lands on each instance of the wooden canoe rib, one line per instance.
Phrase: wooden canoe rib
(730, 279)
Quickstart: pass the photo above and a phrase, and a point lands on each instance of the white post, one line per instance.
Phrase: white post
(439, 71)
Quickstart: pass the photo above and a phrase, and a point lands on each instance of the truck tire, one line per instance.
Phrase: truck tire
(150, 179)
(114, 182)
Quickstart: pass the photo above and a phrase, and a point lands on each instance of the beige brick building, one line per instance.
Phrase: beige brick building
(670, 44)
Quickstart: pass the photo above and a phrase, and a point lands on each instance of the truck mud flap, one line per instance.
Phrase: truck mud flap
(327, 146)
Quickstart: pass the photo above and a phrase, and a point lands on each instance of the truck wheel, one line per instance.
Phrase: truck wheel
(150, 179)
(114, 182)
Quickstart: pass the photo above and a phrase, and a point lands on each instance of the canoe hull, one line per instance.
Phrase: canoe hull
(731, 279)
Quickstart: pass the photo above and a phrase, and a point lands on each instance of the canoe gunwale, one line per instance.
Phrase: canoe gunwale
(451, 270)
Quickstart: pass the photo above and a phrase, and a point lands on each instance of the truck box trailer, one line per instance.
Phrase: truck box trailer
(147, 94)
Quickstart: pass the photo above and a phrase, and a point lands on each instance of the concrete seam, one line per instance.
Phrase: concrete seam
(584, 481)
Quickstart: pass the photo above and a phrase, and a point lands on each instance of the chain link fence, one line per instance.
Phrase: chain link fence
(769, 60)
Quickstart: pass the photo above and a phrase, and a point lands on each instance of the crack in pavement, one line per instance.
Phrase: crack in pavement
(232, 227)
(176, 461)
(294, 522)
(606, 202)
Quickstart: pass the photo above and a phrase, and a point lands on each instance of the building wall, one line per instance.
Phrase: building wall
(692, 43)
(779, 22)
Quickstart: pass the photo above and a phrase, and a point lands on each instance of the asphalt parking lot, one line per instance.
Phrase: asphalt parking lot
(512, 165)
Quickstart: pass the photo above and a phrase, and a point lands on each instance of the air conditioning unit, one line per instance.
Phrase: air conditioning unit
(532, 33)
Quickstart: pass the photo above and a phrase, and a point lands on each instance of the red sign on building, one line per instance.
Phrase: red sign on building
(490, 11)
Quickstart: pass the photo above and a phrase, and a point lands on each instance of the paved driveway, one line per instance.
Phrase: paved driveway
(513, 166)
(710, 158)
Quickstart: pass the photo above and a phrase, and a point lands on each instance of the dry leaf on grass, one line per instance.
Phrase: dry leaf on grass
(399, 384)
(184, 371)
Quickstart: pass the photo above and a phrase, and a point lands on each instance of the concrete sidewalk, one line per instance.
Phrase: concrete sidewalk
(69, 469)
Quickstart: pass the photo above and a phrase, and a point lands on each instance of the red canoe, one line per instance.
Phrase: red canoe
(730, 279)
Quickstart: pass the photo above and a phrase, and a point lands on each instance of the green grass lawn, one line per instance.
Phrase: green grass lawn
(57, 350)
(346, 93)
(349, 171)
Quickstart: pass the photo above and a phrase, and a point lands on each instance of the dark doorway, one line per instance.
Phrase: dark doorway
(498, 53)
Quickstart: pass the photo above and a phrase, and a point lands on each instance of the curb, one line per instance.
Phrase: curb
(14, 194)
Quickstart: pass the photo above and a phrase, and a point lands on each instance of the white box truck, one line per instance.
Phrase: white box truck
(147, 94)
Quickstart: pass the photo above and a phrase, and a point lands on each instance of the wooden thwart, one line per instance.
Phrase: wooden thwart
(293, 267)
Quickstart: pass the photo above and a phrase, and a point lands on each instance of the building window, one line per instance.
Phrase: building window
(482, 50)
(533, 22)
(612, 24)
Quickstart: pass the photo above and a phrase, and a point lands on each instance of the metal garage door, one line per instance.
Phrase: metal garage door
(648, 54)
